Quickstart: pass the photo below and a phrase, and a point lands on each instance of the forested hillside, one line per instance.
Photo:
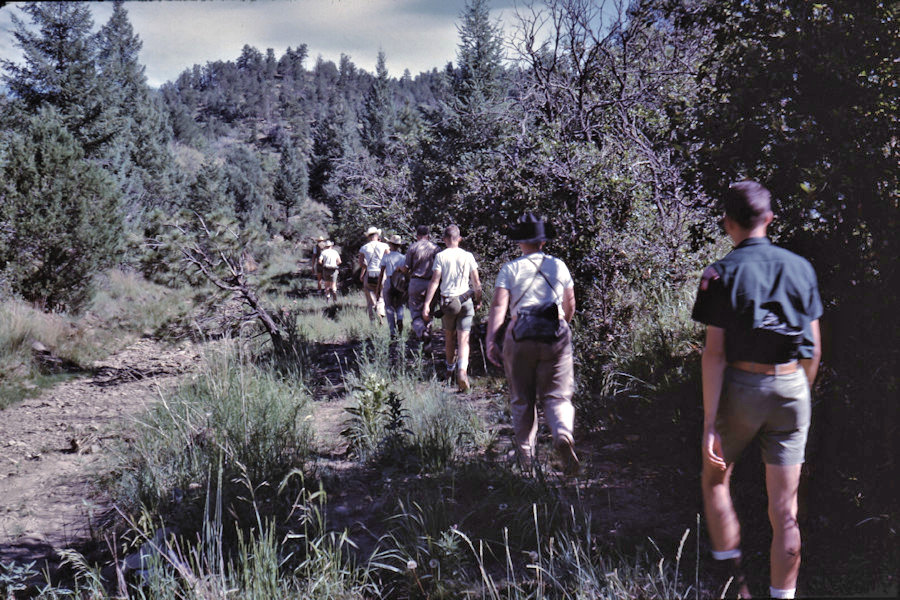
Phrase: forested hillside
(622, 128)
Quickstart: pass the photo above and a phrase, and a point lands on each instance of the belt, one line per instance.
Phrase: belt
(765, 369)
(417, 277)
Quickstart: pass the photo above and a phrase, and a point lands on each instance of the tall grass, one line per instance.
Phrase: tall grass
(231, 411)
(123, 308)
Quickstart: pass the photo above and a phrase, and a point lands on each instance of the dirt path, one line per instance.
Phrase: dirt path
(52, 447)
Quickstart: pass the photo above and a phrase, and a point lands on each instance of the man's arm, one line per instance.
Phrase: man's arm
(496, 317)
(429, 295)
(362, 267)
(811, 365)
(568, 304)
(713, 364)
(476, 286)
(380, 285)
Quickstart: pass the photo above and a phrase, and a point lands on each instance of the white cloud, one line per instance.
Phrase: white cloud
(414, 34)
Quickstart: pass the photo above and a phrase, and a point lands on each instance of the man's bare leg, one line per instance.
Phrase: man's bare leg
(782, 483)
(463, 365)
(449, 346)
(721, 518)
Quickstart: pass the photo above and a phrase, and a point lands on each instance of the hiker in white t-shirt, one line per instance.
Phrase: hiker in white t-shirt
(393, 300)
(536, 350)
(329, 261)
(370, 256)
(456, 272)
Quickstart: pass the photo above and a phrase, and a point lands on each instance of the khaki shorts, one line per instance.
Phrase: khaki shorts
(775, 407)
(330, 274)
(462, 321)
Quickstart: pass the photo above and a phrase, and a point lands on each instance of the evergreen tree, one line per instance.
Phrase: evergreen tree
(479, 73)
(378, 113)
(245, 183)
(59, 216)
(59, 70)
(208, 193)
(140, 156)
(292, 180)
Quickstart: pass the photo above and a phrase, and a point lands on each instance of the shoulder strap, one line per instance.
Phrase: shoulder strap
(531, 283)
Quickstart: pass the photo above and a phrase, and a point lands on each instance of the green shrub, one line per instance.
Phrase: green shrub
(248, 418)
(61, 213)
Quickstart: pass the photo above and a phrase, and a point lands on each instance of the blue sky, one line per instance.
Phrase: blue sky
(414, 34)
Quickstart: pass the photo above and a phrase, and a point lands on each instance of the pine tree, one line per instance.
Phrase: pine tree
(292, 181)
(60, 215)
(142, 159)
(208, 193)
(378, 113)
(479, 74)
(59, 70)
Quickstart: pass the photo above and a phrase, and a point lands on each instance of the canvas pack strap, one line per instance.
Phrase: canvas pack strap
(531, 283)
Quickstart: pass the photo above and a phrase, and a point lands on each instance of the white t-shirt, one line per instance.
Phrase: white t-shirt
(390, 263)
(456, 266)
(527, 288)
(372, 253)
(329, 258)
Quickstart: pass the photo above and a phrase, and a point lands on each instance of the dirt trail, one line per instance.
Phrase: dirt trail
(52, 447)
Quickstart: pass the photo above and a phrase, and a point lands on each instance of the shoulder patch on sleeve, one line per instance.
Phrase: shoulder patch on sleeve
(709, 275)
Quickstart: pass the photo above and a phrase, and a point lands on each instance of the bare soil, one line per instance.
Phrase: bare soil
(52, 447)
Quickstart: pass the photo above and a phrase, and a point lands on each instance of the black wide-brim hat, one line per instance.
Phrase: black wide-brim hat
(530, 229)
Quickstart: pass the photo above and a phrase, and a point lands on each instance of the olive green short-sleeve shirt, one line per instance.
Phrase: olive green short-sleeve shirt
(765, 298)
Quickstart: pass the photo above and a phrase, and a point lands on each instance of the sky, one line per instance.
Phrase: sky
(418, 35)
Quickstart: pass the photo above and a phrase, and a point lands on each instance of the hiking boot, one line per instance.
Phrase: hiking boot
(462, 380)
(565, 458)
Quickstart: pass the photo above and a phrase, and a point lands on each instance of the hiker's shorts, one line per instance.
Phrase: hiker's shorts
(330, 274)
(775, 407)
(462, 321)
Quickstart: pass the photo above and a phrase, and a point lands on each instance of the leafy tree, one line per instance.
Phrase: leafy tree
(59, 216)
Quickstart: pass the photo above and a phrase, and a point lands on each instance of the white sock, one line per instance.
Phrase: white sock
(776, 593)
(726, 554)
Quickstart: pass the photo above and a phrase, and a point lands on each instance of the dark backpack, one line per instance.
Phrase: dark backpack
(399, 292)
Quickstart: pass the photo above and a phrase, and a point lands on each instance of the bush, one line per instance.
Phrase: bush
(60, 219)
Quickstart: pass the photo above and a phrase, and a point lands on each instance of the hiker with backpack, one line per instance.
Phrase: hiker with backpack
(536, 350)
(419, 268)
(456, 272)
(329, 261)
(370, 255)
(392, 285)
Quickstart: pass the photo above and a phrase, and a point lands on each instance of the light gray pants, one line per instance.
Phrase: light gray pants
(540, 373)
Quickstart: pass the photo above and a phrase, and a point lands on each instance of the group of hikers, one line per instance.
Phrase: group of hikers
(761, 307)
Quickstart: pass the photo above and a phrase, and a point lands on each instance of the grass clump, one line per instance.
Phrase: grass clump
(232, 411)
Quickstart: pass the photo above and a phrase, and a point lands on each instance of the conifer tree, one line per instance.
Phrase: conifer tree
(140, 156)
(208, 193)
(378, 112)
(59, 215)
(59, 70)
(292, 180)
